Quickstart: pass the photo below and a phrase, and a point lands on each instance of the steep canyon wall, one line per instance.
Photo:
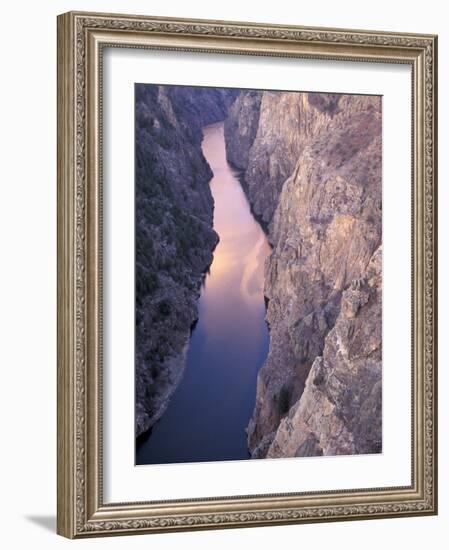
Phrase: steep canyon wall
(311, 165)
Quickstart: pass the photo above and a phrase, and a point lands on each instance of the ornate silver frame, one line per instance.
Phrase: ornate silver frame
(81, 510)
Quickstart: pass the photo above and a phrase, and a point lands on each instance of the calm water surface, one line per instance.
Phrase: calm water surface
(210, 409)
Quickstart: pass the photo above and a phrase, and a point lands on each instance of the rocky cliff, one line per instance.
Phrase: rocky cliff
(340, 410)
(313, 173)
(241, 127)
(265, 133)
(174, 235)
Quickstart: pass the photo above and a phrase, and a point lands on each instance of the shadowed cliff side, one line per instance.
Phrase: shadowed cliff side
(314, 174)
(241, 128)
(174, 235)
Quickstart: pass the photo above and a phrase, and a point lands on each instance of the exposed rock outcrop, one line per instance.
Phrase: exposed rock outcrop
(174, 235)
(274, 152)
(265, 133)
(241, 127)
(319, 188)
(340, 410)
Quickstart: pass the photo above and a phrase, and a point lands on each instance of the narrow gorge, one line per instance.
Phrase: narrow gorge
(308, 166)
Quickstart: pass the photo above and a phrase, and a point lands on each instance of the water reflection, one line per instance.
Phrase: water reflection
(208, 414)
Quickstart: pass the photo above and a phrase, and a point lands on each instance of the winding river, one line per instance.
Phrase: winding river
(210, 410)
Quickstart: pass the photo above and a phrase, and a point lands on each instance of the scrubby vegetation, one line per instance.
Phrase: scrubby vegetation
(284, 400)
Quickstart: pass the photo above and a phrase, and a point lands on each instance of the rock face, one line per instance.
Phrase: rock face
(174, 235)
(314, 175)
(241, 128)
(265, 133)
(340, 410)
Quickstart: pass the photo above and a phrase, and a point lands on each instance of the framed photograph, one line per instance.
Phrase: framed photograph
(246, 274)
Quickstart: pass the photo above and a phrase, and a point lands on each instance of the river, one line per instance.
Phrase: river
(210, 410)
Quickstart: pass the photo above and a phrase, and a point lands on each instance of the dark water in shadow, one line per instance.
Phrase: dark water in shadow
(210, 409)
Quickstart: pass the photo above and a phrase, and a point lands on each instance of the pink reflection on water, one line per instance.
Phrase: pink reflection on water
(233, 292)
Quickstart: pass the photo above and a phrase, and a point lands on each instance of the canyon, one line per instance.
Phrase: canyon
(310, 165)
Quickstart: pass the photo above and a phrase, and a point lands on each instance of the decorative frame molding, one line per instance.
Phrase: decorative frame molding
(81, 37)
